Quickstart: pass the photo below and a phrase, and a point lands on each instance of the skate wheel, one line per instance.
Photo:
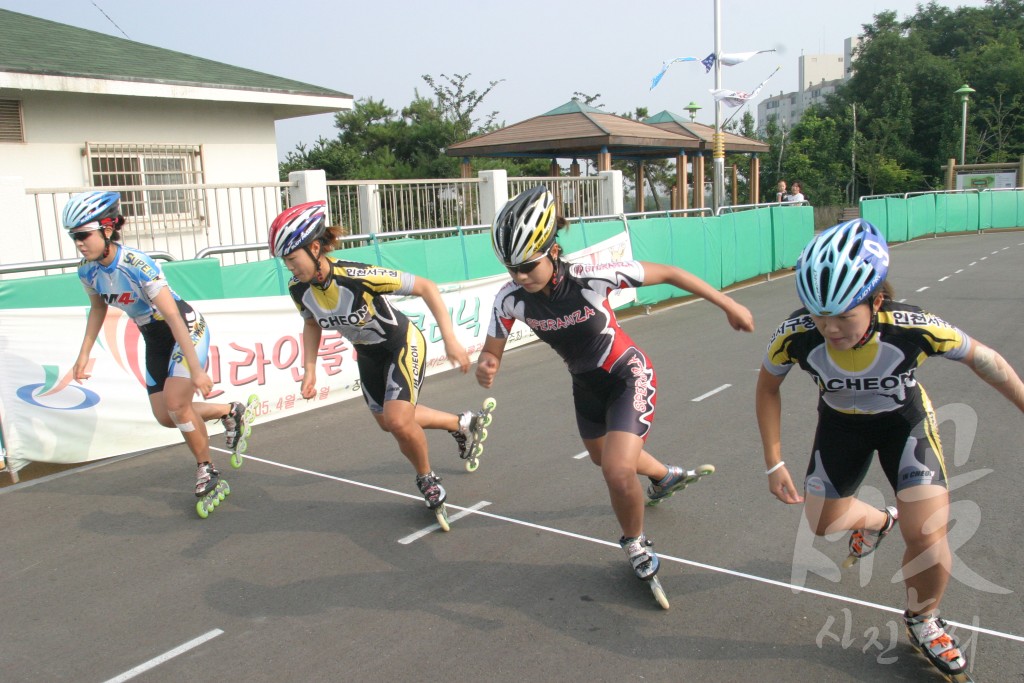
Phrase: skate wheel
(659, 592)
(236, 460)
(483, 436)
(490, 404)
(247, 432)
(442, 518)
(486, 419)
(472, 464)
(850, 561)
(201, 510)
(243, 445)
(705, 470)
(478, 450)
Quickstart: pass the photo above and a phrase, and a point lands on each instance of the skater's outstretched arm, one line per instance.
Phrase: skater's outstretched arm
(769, 421)
(311, 334)
(427, 290)
(489, 361)
(993, 368)
(740, 318)
(97, 312)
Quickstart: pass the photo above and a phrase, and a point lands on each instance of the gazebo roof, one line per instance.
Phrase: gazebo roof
(577, 130)
(674, 123)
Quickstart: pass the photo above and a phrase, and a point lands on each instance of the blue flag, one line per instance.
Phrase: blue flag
(708, 62)
(665, 66)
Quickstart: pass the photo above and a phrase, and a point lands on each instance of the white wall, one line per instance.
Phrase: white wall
(239, 139)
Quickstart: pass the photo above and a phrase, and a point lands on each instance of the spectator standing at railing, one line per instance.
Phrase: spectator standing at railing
(177, 338)
(795, 193)
(392, 352)
(780, 191)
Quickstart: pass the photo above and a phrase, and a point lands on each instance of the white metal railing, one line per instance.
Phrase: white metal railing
(398, 205)
(202, 216)
(577, 195)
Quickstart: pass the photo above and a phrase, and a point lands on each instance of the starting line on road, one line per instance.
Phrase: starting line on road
(170, 654)
(700, 565)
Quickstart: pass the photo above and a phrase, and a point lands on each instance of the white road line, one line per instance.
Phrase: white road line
(972, 263)
(995, 252)
(710, 393)
(580, 456)
(983, 258)
(712, 568)
(434, 527)
(959, 271)
(922, 289)
(156, 661)
(943, 278)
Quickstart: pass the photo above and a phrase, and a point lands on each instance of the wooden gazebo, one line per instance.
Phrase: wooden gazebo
(578, 131)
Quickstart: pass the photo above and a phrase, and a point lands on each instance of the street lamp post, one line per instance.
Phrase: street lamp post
(964, 92)
(692, 107)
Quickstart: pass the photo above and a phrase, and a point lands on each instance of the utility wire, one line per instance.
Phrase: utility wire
(110, 20)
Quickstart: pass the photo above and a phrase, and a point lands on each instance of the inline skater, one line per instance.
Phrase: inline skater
(177, 338)
(862, 349)
(349, 297)
(614, 384)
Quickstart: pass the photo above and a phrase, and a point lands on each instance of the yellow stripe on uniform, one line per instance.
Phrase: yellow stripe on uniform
(931, 430)
(412, 361)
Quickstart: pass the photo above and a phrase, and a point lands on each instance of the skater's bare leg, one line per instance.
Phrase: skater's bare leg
(428, 418)
(172, 408)
(399, 419)
(647, 465)
(924, 515)
(211, 411)
(830, 515)
(618, 454)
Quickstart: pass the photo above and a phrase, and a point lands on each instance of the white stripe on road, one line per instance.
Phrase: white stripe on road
(959, 271)
(611, 544)
(972, 263)
(943, 278)
(922, 289)
(580, 456)
(710, 393)
(434, 527)
(157, 661)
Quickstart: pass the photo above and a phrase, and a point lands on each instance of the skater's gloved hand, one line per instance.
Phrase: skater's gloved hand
(781, 486)
(486, 369)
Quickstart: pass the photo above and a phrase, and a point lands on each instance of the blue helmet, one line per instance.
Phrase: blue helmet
(841, 267)
(96, 206)
(296, 227)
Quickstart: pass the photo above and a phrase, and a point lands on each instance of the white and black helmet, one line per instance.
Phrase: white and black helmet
(525, 226)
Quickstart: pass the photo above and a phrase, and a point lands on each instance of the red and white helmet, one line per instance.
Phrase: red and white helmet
(297, 227)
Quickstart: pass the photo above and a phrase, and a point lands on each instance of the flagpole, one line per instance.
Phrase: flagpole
(718, 141)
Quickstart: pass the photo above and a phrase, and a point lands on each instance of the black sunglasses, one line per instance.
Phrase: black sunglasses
(81, 236)
(527, 267)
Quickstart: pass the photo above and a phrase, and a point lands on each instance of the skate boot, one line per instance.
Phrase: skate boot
(472, 433)
(434, 496)
(210, 489)
(928, 634)
(645, 564)
(677, 479)
(864, 541)
(238, 426)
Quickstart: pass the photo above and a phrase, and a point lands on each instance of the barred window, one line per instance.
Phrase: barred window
(141, 165)
(12, 128)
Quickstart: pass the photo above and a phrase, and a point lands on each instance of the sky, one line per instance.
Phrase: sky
(541, 51)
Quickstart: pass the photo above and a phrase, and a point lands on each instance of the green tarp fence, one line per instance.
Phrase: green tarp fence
(722, 250)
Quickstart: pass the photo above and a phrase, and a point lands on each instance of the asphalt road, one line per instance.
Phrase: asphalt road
(322, 566)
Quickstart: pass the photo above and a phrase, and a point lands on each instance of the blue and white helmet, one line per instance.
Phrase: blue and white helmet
(297, 226)
(841, 267)
(91, 210)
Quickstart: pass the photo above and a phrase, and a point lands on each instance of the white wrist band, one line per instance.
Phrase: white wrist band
(775, 467)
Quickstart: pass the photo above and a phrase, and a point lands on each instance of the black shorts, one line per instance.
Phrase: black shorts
(392, 374)
(163, 355)
(907, 443)
(618, 400)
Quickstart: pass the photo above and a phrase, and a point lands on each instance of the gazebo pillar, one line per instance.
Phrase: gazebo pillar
(755, 179)
(698, 181)
(639, 186)
(574, 169)
(604, 160)
(466, 168)
(680, 200)
(556, 170)
(735, 186)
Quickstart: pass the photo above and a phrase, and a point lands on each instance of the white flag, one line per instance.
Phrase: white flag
(734, 58)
